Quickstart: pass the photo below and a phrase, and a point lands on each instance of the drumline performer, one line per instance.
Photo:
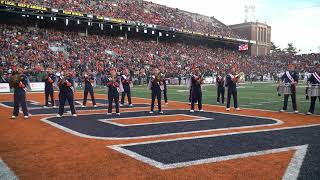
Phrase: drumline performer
(49, 81)
(220, 88)
(66, 93)
(196, 92)
(19, 82)
(156, 85)
(290, 79)
(231, 83)
(114, 88)
(314, 89)
(89, 83)
(127, 84)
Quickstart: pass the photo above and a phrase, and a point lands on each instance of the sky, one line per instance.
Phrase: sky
(291, 21)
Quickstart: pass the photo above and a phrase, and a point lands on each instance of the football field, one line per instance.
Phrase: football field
(257, 96)
(213, 144)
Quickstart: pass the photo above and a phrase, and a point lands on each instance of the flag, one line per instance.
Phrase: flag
(243, 47)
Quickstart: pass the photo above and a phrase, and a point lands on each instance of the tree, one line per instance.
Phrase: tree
(274, 48)
(291, 49)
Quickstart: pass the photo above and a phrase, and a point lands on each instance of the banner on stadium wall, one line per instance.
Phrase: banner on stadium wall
(4, 87)
(22, 5)
(37, 86)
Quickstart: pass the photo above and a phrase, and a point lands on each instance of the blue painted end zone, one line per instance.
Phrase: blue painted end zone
(89, 125)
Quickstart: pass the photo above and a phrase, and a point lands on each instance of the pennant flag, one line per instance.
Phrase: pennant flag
(243, 47)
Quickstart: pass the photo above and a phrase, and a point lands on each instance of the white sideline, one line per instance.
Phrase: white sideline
(5, 172)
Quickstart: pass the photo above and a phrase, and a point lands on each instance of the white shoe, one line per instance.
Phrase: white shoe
(74, 115)
(161, 112)
(296, 111)
(95, 106)
(196, 103)
(281, 110)
(13, 117)
(83, 106)
(54, 106)
(118, 114)
(201, 110)
(238, 109)
(45, 106)
(192, 111)
(130, 105)
(58, 115)
(167, 103)
(189, 103)
(26, 117)
(228, 109)
(121, 105)
(309, 113)
(151, 112)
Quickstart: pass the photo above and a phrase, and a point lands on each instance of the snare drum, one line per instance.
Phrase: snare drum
(284, 89)
(314, 90)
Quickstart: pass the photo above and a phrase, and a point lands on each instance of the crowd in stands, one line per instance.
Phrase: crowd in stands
(37, 49)
(142, 11)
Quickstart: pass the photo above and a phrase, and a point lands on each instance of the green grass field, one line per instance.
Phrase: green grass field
(256, 95)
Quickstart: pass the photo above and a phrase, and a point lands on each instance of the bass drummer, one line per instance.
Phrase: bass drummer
(313, 89)
(290, 77)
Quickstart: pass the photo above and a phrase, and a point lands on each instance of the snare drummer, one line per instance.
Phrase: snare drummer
(314, 80)
(290, 77)
(127, 83)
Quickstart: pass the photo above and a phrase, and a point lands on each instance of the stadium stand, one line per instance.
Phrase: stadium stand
(143, 11)
(37, 49)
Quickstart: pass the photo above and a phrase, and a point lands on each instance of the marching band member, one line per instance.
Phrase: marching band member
(165, 90)
(114, 88)
(314, 80)
(291, 77)
(156, 86)
(19, 82)
(220, 88)
(49, 80)
(127, 83)
(66, 87)
(189, 86)
(196, 93)
(231, 83)
(89, 83)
